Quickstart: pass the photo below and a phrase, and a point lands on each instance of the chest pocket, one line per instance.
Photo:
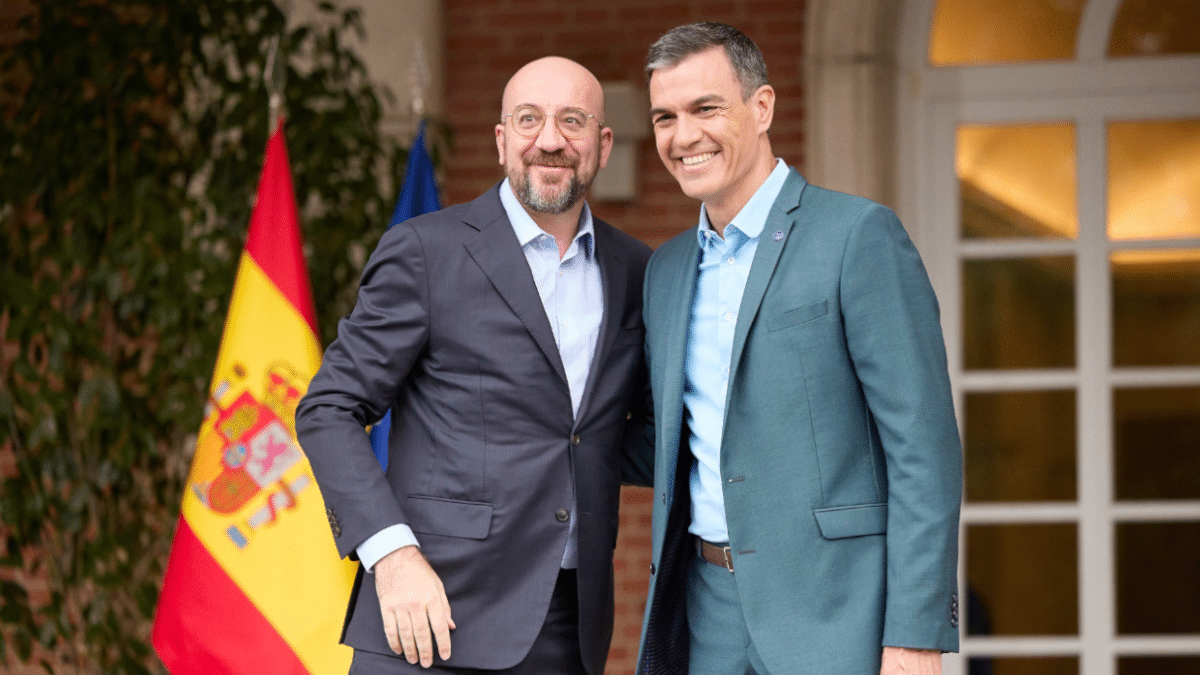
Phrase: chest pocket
(799, 315)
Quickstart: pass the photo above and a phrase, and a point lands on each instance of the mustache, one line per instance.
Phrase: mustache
(552, 159)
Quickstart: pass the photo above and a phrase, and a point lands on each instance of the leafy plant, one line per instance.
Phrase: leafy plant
(133, 133)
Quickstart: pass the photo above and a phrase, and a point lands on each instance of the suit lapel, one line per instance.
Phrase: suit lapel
(683, 288)
(771, 241)
(613, 279)
(498, 253)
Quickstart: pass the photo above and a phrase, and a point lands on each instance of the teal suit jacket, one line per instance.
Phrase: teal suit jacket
(840, 461)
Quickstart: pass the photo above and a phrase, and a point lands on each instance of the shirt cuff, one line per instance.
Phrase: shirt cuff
(384, 542)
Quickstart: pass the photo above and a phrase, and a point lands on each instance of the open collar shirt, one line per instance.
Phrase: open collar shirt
(724, 268)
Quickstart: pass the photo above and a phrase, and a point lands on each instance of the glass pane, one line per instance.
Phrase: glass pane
(1020, 446)
(969, 32)
(1017, 181)
(1157, 443)
(1154, 179)
(1022, 665)
(1019, 313)
(1022, 579)
(1156, 28)
(1158, 665)
(1156, 308)
(1157, 568)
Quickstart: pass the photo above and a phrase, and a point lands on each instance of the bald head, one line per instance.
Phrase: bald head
(552, 82)
(550, 167)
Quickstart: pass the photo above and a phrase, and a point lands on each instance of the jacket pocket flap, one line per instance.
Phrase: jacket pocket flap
(852, 521)
(448, 517)
(798, 315)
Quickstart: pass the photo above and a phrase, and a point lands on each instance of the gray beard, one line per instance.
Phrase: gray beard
(545, 201)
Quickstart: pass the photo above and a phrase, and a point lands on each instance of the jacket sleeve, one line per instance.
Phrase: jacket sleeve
(637, 445)
(895, 341)
(362, 373)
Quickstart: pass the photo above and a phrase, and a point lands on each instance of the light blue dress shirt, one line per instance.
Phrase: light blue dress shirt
(573, 296)
(724, 268)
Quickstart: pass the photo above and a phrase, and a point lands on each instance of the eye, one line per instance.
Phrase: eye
(662, 120)
(706, 110)
(572, 120)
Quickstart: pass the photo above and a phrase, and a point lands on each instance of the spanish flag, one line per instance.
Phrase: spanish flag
(254, 583)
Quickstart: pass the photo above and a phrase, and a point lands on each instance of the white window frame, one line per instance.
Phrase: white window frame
(1088, 92)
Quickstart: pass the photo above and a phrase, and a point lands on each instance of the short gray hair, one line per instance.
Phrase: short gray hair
(683, 41)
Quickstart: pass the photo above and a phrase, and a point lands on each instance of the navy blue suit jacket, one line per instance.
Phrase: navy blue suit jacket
(449, 331)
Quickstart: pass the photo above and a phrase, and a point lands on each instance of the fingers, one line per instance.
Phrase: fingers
(439, 621)
(392, 631)
(414, 633)
(415, 610)
(422, 637)
(409, 647)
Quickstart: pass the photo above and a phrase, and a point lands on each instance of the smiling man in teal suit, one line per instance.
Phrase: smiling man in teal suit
(808, 466)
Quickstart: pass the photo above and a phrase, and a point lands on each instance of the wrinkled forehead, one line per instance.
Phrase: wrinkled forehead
(553, 84)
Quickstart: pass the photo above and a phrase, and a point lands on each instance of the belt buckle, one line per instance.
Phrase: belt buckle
(728, 558)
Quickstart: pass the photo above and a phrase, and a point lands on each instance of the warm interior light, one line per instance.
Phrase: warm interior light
(1153, 182)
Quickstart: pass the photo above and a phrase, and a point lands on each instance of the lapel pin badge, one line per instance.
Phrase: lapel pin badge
(778, 235)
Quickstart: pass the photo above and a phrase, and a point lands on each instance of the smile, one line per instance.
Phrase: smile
(697, 159)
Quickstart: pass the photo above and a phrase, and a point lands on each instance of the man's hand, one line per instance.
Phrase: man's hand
(414, 605)
(904, 661)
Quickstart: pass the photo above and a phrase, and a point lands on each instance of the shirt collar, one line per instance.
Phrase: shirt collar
(527, 230)
(753, 216)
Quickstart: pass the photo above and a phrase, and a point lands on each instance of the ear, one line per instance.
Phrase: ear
(762, 103)
(500, 142)
(606, 143)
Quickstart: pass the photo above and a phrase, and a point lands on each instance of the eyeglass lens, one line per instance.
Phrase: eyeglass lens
(528, 121)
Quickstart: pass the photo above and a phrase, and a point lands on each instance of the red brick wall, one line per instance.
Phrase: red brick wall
(487, 40)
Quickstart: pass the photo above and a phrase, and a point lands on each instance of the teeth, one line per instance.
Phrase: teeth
(698, 159)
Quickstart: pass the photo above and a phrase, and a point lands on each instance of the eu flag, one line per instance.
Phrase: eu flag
(419, 195)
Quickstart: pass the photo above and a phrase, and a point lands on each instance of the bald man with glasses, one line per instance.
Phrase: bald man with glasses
(505, 335)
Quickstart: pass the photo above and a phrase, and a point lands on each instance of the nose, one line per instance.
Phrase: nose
(687, 132)
(550, 138)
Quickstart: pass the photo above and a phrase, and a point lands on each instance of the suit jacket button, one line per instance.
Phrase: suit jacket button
(562, 515)
(575, 439)
(333, 522)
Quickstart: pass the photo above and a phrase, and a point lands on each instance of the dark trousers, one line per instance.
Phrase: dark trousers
(554, 652)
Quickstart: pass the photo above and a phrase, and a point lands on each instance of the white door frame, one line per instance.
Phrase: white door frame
(881, 124)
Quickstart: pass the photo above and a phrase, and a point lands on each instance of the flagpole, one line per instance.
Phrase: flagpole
(274, 79)
(418, 79)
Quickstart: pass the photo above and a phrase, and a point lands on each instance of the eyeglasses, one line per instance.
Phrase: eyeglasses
(528, 121)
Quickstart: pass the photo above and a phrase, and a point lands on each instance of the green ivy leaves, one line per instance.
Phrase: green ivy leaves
(133, 132)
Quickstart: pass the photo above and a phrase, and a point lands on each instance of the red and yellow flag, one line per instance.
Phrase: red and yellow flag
(254, 583)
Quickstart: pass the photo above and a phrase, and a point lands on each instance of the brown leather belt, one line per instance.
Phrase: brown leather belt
(717, 554)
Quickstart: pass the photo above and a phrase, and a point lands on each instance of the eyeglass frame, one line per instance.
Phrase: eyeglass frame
(558, 124)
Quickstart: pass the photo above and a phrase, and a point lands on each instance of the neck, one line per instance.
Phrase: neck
(722, 211)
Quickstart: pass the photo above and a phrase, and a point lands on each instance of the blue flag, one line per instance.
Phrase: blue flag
(419, 195)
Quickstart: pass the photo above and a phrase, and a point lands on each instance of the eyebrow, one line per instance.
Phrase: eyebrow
(694, 103)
